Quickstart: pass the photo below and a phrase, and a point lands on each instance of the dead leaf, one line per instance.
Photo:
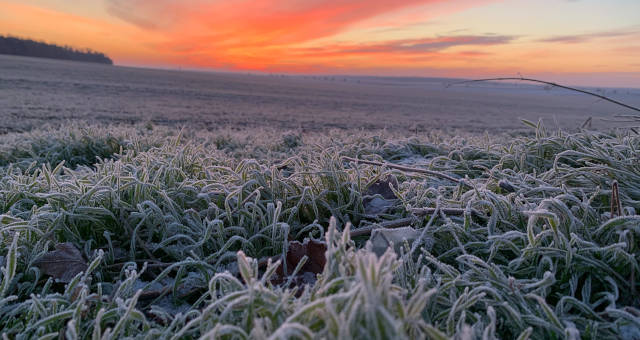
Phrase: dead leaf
(313, 249)
(373, 204)
(382, 187)
(63, 264)
(316, 260)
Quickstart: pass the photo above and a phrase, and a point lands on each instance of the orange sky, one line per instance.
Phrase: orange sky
(591, 42)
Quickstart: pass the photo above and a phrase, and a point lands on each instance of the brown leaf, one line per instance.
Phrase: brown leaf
(381, 187)
(63, 264)
(314, 250)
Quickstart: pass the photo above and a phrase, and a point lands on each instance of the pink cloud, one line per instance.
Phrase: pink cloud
(258, 33)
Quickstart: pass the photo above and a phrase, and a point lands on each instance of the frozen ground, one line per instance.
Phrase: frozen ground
(529, 237)
(37, 91)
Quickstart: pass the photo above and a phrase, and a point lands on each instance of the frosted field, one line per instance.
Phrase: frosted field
(122, 224)
(126, 232)
(37, 91)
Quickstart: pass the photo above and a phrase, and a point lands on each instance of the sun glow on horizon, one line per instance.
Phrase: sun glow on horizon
(587, 42)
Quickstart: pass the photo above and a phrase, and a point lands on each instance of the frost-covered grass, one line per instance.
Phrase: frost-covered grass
(173, 223)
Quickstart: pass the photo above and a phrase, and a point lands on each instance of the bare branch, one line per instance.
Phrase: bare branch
(404, 168)
(551, 84)
(401, 222)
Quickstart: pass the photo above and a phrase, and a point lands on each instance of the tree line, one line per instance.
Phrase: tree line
(31, 48)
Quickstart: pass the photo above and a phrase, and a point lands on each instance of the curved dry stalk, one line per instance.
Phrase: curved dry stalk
(404, 168)
(550, 84)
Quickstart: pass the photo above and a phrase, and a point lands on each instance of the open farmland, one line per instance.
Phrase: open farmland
(180, 205)
(39, 91)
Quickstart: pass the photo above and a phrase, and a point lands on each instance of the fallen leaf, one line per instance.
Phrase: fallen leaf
(383, 238)
(313, 249)
(63, 264)
(373, 204)
(316, 260)
(382, 187)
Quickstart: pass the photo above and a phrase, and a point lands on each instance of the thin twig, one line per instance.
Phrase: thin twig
(398, 223)
(154, 294)
(404, 168)
(446, 211)
(401, 222)
(150, 264)
(551, 84)
(362, 231)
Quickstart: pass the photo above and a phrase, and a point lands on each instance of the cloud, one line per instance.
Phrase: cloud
(587, 37)
(291, 19)
(417, 46)
(256, 34)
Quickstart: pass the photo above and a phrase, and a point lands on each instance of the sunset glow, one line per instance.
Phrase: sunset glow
(580, 42)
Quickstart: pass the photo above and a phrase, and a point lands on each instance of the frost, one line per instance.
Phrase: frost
(382, 238)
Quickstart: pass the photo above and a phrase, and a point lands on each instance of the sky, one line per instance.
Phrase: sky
(577, 42)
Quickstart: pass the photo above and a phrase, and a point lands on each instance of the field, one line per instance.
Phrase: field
(133, 227)
(34, 92)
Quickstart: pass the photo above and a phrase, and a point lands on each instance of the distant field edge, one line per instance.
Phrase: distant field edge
(30, 48)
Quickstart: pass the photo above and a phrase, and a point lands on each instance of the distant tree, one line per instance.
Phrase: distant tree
(31, 48)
